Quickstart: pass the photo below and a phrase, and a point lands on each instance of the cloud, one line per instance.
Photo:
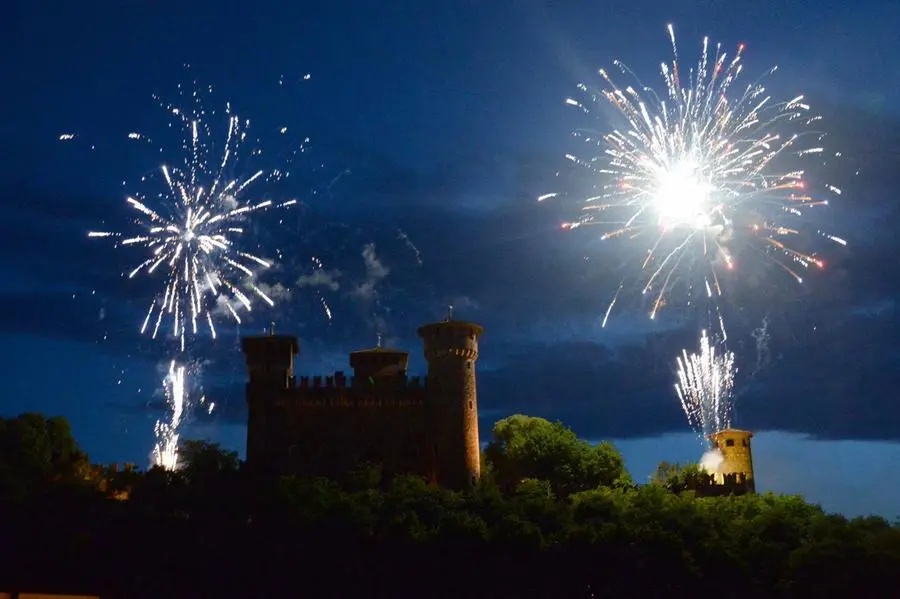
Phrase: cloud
(464, 302)
(276, 292)
(321, 278)
(375, 272)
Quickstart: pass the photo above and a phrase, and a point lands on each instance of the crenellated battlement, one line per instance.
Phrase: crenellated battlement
(436, 353)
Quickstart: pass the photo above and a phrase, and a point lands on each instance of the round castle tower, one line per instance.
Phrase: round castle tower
(737, 464)
(451, 349)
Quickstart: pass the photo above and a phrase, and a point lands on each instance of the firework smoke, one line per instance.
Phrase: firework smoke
(711, 460)
(705, 386)
(700, 167)
(189, 223)
(761, 336)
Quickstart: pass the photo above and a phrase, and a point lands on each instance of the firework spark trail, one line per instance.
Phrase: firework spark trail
(698, 165)
(705, 387)
(165, 452)
(190, 230)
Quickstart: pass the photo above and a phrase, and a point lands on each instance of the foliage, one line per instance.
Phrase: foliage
(213, 529)
(526, 447)
(35, 450)
(678, 478)
(202, 459)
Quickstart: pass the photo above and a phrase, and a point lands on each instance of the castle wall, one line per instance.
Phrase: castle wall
(326, 431)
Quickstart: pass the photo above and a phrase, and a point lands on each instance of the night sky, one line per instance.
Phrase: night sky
(433, 128)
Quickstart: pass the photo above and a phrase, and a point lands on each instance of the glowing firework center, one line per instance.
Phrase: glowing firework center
(681, 197)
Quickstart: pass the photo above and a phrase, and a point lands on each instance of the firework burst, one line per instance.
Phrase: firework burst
(705, 387)
(704, 165)
(190, 229)
(190, 219)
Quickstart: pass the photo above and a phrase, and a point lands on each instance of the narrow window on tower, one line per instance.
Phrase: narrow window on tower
(471, 405)
(729, 442)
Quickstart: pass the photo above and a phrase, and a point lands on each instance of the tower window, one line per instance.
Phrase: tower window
(744, 443)
(729, 442)
(471, 405)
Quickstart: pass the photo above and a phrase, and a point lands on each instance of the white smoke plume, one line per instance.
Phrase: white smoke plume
(711, 461)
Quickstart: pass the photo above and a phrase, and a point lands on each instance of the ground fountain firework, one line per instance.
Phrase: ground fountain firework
(165, 452)
(703, 166)
(191, 223)
(706, 387)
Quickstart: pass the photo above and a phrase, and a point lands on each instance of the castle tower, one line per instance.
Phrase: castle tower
(451, 349)
(270, 365)
(736, 468)
(379, 364)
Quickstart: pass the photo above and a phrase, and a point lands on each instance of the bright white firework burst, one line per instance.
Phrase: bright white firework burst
(696, 160)
(705, 387)
(190, 229)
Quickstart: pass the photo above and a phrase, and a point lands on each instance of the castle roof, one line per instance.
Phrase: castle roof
(450, 323)
(727, 432)
(270, 340)
(385, 351)
(378, 362)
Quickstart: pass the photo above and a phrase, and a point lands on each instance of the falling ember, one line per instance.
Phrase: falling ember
(701, 164)
(705, 387)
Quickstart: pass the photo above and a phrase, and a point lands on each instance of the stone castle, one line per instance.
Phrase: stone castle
(408, 425)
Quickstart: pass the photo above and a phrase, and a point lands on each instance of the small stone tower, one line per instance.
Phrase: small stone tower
(270, 364)
(736, 468)
(451, 349)
(378, 365)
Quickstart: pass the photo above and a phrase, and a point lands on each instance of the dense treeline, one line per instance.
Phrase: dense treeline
(552, 517)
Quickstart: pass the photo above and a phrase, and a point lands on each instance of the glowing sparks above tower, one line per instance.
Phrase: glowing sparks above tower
(705, 387)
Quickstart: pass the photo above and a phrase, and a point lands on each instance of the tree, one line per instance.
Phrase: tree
(203, 459)
(35, 450)
(678, 477)
(665, 472)
(526, 447)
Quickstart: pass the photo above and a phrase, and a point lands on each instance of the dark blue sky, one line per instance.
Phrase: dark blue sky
(433, 128)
